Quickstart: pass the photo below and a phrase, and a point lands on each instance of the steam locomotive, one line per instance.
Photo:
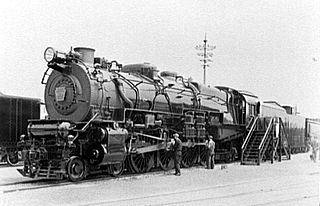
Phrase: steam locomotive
(104, 117)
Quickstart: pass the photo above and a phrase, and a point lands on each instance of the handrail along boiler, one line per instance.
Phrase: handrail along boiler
(106, 117)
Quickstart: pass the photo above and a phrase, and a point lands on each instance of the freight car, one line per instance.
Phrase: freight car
(104, 116)
(312, 131)
(313, 128)
(297, 131)
(14, 114)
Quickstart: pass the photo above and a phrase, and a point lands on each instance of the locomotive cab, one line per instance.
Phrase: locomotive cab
(252, 105)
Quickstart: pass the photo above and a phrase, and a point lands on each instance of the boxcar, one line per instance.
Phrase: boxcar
(312, 131)
(296, 132)
(15, 112)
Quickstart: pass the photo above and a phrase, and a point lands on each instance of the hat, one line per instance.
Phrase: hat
(210, 137)
(175, 135)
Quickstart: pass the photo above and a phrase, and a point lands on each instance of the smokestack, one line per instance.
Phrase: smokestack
(87, 55)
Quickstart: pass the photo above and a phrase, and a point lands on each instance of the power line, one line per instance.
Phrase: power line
(205, 55)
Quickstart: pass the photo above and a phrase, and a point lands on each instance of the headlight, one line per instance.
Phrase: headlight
(49, 54)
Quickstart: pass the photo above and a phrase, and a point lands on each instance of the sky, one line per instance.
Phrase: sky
(268, 47)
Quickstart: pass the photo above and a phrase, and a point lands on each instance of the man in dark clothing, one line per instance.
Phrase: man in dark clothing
(177, 147)
(210, 145)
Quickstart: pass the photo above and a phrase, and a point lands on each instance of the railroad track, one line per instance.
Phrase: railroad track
(5, 165)
(35, 184)
(260, 191)
(207, 194)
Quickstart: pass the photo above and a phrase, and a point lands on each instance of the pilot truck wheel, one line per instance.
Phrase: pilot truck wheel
(12, 158)
(76, 169)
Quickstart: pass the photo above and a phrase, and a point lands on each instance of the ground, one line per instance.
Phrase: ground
(290, 182)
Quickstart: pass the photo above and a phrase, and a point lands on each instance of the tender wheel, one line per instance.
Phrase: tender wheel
(13, 158)
(165, 159)
(142, 162)
(116, 169)
(189, 156)
(76, 169)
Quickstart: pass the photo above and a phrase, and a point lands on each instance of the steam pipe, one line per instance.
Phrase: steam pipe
(122, 95)
(193, 90)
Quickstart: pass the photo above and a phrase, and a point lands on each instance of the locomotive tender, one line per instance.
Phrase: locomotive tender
(104, 116)
(297, 127)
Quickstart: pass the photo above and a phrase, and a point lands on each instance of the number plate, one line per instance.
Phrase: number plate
(60, 93)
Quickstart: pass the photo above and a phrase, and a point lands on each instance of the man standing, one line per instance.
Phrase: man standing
(177, 147)
(315, 148)
(210, 145)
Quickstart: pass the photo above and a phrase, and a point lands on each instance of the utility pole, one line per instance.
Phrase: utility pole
(205, 55)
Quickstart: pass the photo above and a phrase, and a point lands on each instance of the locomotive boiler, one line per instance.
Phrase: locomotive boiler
(105, 117)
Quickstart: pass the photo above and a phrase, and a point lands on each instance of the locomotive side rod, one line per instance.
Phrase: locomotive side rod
(152, 148)
(150, 136)
(161, 146)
